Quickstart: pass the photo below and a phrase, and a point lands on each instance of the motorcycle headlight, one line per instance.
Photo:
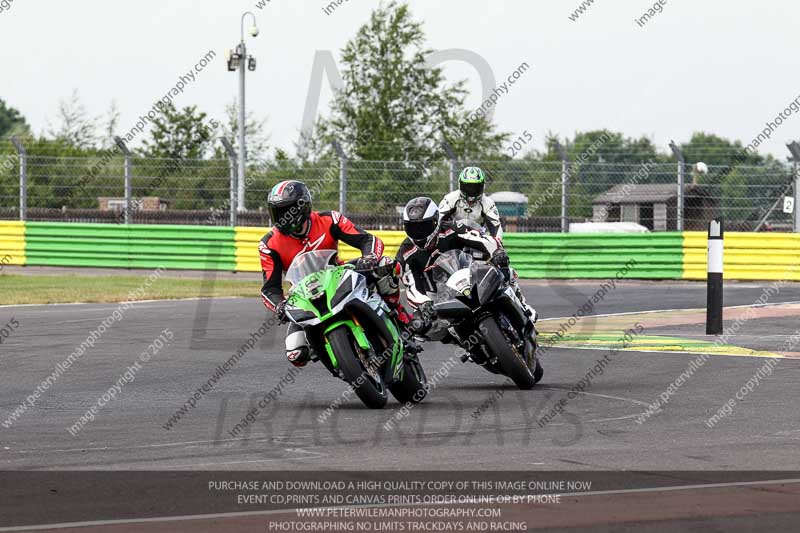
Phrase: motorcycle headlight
(300, 315)
(491, 281)
(341, 293)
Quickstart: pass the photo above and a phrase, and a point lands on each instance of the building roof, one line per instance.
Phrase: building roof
(509, 197)
(637, 193)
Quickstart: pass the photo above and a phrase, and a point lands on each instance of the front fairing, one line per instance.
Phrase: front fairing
(322, 295)
(488, 281)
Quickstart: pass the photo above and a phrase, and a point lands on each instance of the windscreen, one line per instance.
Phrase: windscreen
(309, 263)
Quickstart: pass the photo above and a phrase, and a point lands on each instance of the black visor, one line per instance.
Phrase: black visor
(420, 230)
(290, 218)
(471, 190)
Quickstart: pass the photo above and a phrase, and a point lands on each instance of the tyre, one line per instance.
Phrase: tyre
(370, 390)
(538, 372)
(413, 387)
(513, 364)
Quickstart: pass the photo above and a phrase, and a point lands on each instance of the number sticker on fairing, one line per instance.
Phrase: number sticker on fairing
(460, 281)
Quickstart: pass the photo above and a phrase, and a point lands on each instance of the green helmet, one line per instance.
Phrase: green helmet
(471, 183)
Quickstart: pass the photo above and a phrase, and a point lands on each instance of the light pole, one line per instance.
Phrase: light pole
(238, 59)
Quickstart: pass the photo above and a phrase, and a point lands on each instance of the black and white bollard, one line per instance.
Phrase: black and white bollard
(714, 279)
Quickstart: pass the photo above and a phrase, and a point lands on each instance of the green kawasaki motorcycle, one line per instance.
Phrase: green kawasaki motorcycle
(351, 330)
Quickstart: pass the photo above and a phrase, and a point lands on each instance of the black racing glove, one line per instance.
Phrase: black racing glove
(280, 311)
(367, 262)
(423, 319)
(500, 258)
(427, 311)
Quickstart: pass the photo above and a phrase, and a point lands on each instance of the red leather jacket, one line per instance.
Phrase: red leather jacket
(325, 231)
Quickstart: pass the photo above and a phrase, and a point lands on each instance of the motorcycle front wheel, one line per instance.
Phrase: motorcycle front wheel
(511, 363)
(413, 386)
(367, 387)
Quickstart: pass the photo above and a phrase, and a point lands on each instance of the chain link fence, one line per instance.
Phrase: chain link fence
(532, 195)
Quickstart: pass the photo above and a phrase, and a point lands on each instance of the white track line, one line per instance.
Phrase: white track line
(663, 352)
(179, 518)
(628, 313)
(115, 304)
(546, 387)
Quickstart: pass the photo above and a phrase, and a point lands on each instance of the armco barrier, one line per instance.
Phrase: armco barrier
(748, 256)
(556, 255)
(12, 243)
(134, 246)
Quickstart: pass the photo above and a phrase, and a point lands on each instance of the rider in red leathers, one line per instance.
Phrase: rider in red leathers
(298, 229)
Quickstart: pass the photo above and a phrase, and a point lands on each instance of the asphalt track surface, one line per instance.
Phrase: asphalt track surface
(472, 420)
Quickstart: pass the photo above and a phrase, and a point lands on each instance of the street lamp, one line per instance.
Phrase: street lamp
(239, 60)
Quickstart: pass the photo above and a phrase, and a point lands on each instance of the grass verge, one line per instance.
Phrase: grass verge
(39, 289)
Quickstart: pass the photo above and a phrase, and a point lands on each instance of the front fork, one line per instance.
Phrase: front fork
(358, 335)
(390, 362)
(529, 329)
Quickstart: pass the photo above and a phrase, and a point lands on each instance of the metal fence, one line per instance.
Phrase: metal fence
(112, 185)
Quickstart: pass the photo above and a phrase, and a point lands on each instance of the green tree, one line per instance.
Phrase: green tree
(110, 125)
(393, 107)
(610, 147)
(718, 151)
(176, 169)
(74, 127)
(180, 134)
(255, 133)
(602, 159)
(11, 121)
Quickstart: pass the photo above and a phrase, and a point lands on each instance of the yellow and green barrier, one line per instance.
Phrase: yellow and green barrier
(556, 255)
(134, 246)
(12, 243)
(748, 256)
(668, 255)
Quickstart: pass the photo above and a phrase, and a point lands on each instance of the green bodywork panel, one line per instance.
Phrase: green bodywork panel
(358, 334)
(397, 348)
(323, 284)
(320, 284)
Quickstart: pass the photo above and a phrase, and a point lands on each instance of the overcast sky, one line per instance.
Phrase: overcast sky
(723, 66)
